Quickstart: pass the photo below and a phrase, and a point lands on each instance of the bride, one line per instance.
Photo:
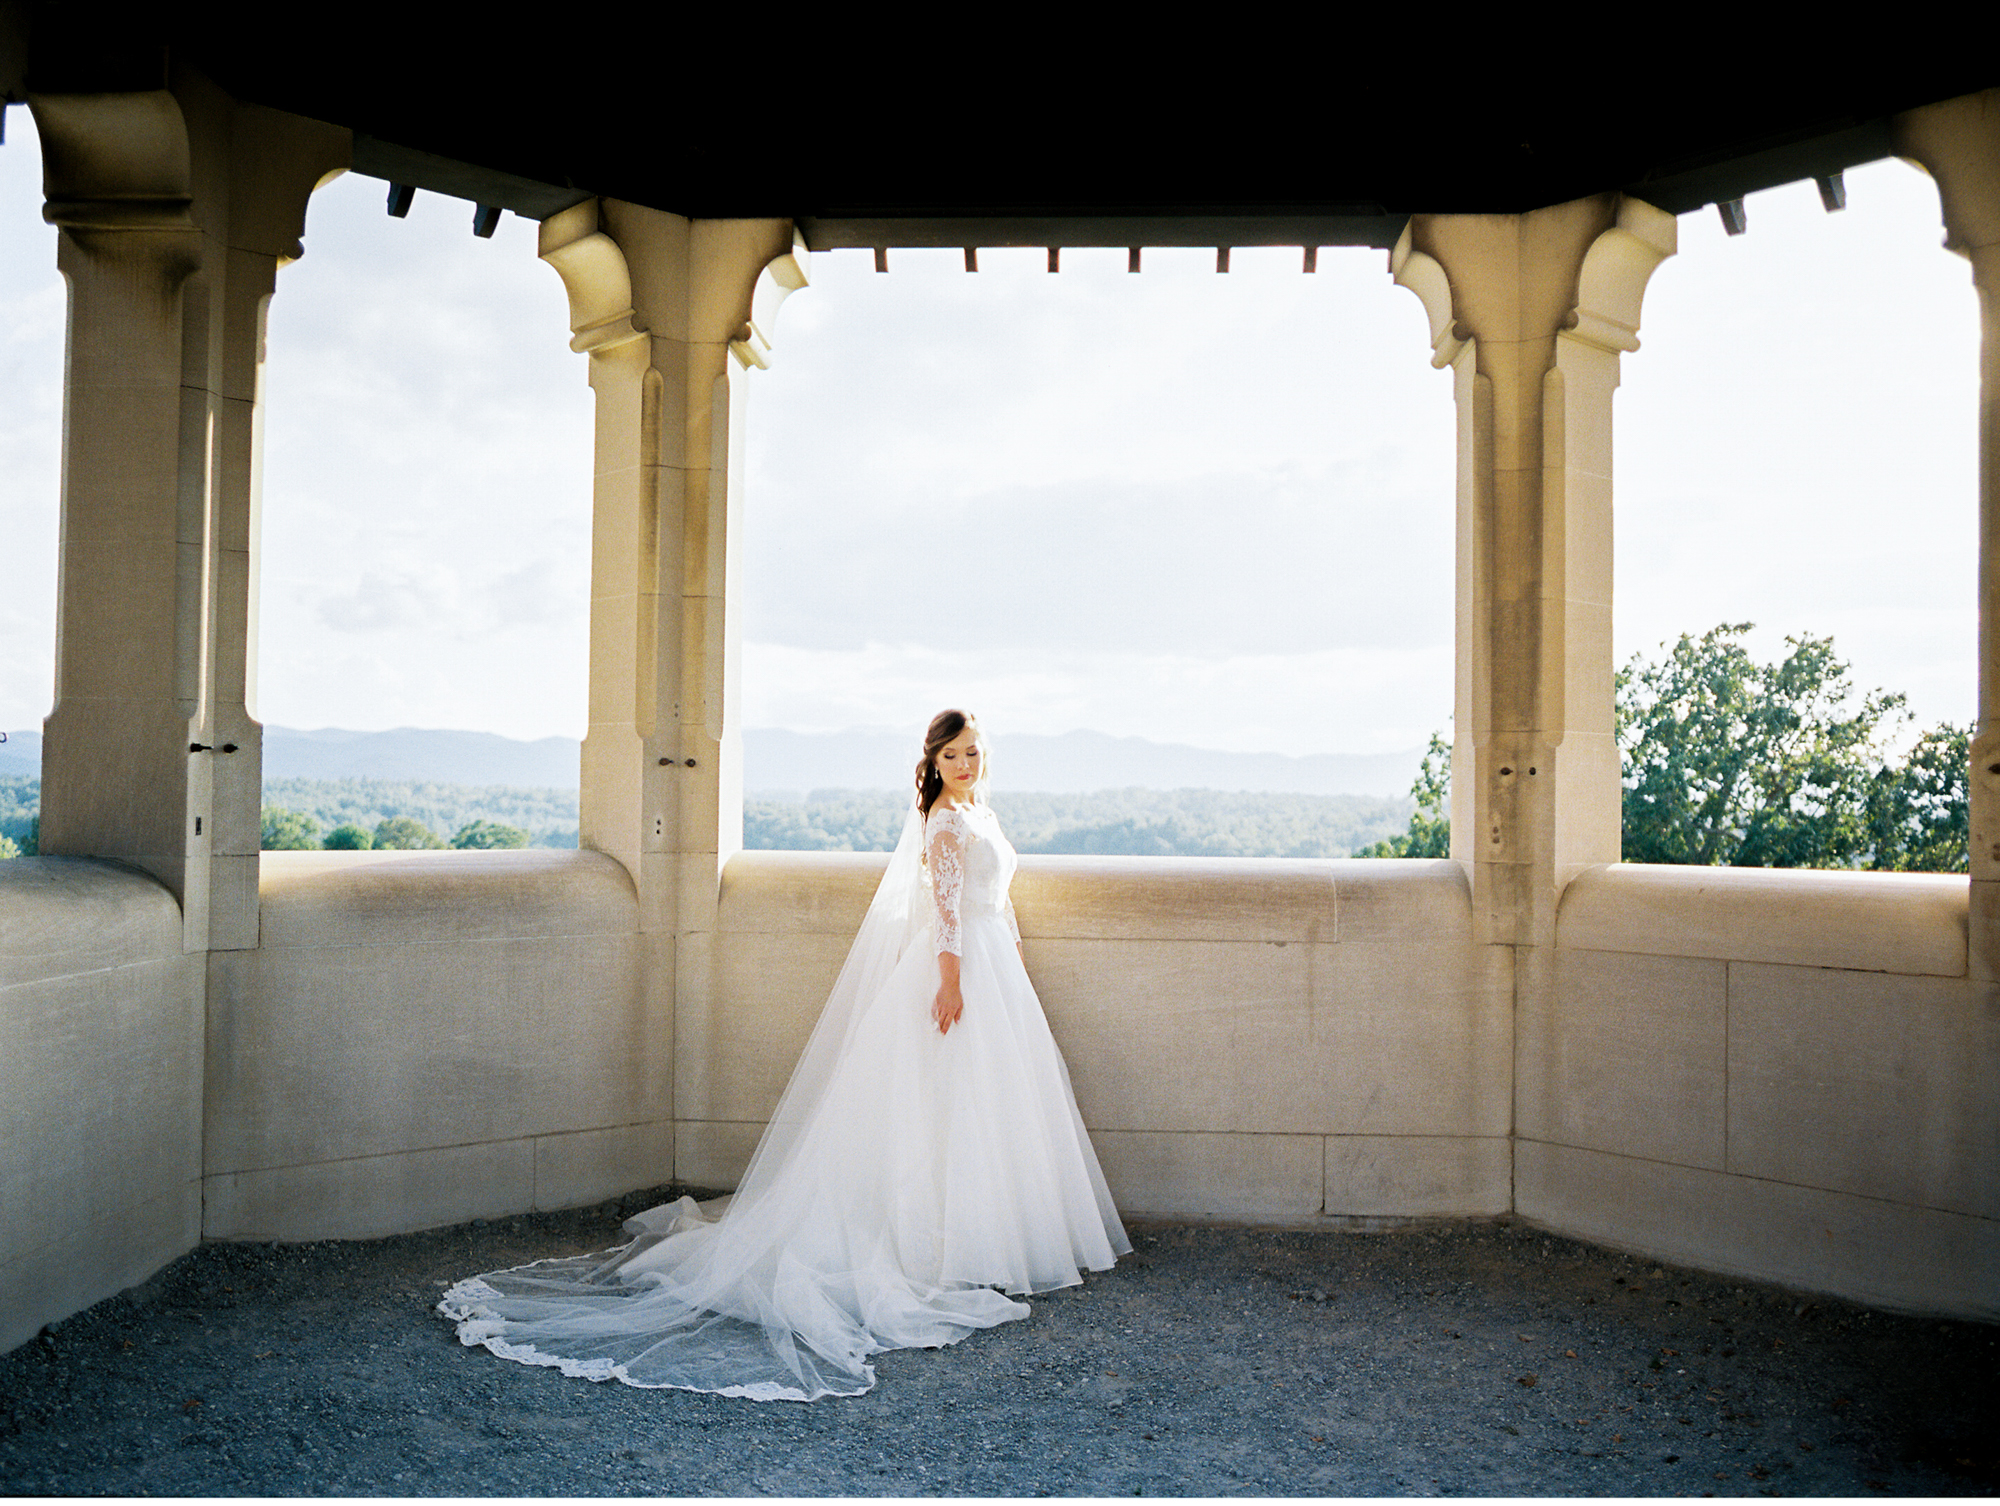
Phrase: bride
(926, 1161)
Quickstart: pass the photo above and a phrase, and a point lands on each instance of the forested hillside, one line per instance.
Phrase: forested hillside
(1143, 823)
(1173, 823)
(307, 810)
(547, 815)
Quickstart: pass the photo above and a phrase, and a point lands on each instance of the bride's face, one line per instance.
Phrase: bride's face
(958, 763)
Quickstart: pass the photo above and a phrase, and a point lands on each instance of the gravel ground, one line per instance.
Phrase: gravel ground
(1470, 1358)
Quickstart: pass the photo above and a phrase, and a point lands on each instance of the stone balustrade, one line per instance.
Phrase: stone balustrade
(1773, 1073)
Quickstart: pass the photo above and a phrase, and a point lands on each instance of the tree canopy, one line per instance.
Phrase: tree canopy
(20, 812)
(489, 834)
(1919, 816)
(1728, 761)
(405, 833)
(1782, 765)
(1429, 835)
(288, 830)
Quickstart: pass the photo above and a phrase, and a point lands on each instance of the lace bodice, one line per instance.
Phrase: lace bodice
(971, 865)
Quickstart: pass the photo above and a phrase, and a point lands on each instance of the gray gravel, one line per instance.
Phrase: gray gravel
(1483, 1359)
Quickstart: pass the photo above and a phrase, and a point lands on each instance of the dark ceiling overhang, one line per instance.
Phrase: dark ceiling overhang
(1050, 147)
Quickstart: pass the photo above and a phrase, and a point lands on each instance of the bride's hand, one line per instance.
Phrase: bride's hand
(948, 1006)
(950, 1003)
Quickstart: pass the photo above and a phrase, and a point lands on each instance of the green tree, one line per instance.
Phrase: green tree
(347, 837)
(9, 848)
(1429, 835)
(1728, 761)
(489, 834)
(405, 833)
(289, 831)
(21, 813)
(1919, 814)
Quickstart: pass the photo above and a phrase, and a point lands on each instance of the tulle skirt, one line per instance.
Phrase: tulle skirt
(931, 1181)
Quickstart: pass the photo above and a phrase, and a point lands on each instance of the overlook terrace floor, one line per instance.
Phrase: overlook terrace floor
(1484, 1359)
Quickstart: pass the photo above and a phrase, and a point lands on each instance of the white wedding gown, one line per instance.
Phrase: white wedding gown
(907, 1182)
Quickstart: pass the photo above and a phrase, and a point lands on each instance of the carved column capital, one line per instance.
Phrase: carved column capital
(1958, 143)
(116, 162)
(1612, 281)
(782, 276)
(596, 276)
(1424, 275)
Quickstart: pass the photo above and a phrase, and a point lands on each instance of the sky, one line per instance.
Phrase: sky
(1191, 507)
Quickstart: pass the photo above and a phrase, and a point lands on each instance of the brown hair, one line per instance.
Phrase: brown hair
(943, 728)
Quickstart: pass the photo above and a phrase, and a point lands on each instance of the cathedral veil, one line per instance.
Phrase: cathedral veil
(896, 918)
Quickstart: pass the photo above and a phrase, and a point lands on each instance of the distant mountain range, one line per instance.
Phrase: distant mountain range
(1074, 762)
(22, 754)
(405, 753)
(777, 762)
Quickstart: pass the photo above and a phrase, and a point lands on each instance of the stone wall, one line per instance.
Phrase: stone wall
(1786, 1074)
(427, 1037)
(1278, 1042)
(100, 1086)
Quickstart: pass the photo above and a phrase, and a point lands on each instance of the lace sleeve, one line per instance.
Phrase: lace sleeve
(944, 853)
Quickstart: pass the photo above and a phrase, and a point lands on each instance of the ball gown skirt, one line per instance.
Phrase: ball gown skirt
(935, 1178)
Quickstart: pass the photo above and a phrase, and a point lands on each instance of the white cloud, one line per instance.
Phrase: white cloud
(1796, 440)
(1179, 483)
(1345, 699)
(383, 604)
(427, 478)
(1208, 509)
(32, 311)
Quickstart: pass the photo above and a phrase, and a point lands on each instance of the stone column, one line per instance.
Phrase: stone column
(176, 208)
(1531, 313)
(671, 313)
(115, 766)
(255, 170)
(1958, 144)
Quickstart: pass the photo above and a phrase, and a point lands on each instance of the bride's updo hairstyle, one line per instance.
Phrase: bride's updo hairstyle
(944, 727)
